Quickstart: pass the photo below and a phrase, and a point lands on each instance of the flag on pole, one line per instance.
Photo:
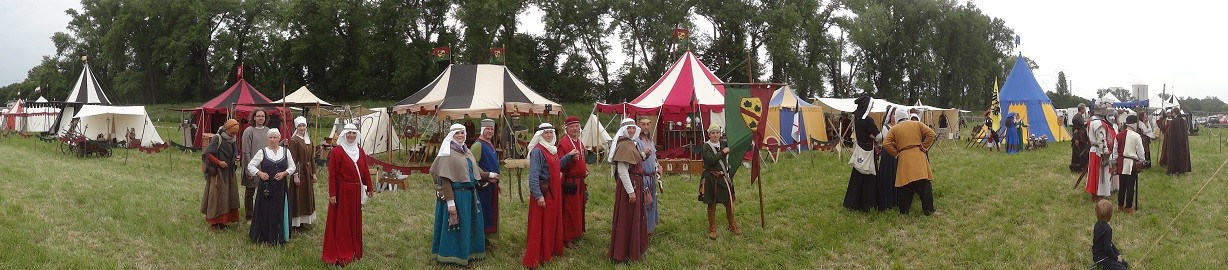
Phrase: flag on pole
(682, 37)
(498, 56)
(995, 108)
(745, 113)
(442, 53)
(239, 73)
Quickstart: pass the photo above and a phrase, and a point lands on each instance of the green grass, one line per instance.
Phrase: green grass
(136, 210)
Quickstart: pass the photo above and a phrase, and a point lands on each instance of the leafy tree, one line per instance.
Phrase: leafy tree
(1062, 86)
(942, 52)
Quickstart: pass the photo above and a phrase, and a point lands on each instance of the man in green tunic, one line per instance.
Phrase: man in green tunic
(715, 187)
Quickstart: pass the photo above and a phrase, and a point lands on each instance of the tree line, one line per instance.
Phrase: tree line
(942, 52)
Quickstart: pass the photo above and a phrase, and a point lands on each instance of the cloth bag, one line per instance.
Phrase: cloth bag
(862, 160)
(362, 189)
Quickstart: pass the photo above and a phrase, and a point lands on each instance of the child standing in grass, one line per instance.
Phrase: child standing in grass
(1104, 252)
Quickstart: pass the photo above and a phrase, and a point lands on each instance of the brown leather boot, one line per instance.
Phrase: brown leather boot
(711, 222)
(733, 226)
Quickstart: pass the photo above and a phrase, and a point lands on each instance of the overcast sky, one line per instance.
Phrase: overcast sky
(26, 34)
(1098, 43)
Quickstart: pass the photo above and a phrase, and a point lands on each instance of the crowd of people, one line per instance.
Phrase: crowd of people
(1112, 147)
(890, 167)
(891, 164)
(279, 176)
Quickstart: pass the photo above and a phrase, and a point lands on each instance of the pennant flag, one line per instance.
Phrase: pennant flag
(239, 73)
(745, 111)
(498, 56)
(995, 108)
(682, 37)
(442, 53)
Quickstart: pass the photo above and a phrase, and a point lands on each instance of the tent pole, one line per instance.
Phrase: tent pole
(388, 140)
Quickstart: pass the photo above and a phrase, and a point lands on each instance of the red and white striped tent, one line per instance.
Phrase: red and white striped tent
(686, 90)
(688, 86)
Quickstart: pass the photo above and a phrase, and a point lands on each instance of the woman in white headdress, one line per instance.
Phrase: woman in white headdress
(458, 233)
(271, 166)
(629, 231)
(347, 174)
(544, 239)
(302, 191)
(863, 188)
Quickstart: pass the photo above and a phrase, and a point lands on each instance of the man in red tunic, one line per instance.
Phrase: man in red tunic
(575, 191)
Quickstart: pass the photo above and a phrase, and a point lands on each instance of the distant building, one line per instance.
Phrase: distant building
(1139, 91)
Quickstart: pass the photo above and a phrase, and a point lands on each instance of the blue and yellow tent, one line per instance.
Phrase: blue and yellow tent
(792, 120)
(1021, 94)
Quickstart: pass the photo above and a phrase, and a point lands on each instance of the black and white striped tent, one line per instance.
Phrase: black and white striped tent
(471, 91)
(87, 90)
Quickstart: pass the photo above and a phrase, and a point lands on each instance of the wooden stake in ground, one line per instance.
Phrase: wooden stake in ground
(1080, 178)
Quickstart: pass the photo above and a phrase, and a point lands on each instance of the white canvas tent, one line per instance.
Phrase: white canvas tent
(375, 129)
(1108, 97)
(932, 116)
(594, 135)
(302, 97)
(1161, 103)
(40, 119)
(114, 121)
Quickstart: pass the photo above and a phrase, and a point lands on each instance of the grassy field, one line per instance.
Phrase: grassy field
(136, 210)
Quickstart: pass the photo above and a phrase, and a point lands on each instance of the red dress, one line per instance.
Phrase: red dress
(343, 229)
(574, 203)
(544, 239)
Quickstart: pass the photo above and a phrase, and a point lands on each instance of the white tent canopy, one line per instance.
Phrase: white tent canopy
(1157, 102)
(114, 121)
(1108, 97)
(375, 130)
(303, 96)
(594, 134)
(833, 105)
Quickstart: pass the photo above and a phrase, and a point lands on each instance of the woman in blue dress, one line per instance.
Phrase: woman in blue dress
(1010, 131)
(272, 166)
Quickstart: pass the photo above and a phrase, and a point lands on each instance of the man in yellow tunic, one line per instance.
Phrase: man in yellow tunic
(910, 141)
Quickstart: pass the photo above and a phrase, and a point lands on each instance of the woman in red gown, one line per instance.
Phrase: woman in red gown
(347, 173)
(544, 239)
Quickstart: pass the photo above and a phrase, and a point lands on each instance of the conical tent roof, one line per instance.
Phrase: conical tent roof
(1021, 94)
(88, 90)
(245, 98)
(593, 134)
(686, 82)
(1157, 102)
(464, 91)
(239, 93)
(786, 97)
(302, 96)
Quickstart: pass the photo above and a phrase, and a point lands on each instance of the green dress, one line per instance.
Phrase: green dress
(715, 188)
